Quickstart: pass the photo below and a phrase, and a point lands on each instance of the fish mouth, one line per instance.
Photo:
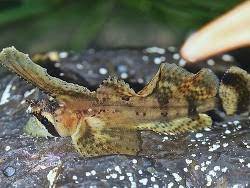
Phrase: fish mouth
(41, 109)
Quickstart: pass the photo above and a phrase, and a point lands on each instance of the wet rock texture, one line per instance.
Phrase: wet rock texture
(216, 156)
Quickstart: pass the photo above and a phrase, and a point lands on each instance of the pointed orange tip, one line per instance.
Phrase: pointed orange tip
(229, 31)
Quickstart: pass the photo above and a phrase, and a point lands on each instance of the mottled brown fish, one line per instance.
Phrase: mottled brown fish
(108, 120)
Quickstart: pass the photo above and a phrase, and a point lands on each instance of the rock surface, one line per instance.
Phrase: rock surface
(216, 156)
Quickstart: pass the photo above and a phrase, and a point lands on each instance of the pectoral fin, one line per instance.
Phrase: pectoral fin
(93, 138)
(180, 125)
(22, 65)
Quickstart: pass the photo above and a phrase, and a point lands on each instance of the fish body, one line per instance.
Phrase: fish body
(108, 120)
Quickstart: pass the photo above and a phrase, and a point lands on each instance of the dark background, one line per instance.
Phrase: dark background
(44, 25)
(34, 26)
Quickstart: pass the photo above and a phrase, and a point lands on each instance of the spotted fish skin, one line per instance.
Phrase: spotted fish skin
(107, 120)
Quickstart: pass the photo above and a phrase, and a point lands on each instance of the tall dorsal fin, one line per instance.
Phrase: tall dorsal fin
(22, 65)
(172, 82)
(201, 86)
(114, 90)
(168, 77)
(234, 91)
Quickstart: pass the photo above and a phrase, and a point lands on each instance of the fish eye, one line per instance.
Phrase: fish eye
(47, 124)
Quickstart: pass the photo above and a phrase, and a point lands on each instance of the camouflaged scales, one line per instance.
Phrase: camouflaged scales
(108, 120)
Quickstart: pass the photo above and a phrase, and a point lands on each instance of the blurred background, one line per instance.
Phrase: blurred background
(45, 25)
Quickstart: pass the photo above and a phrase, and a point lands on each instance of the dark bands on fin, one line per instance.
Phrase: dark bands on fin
(192, 111)
(234, 91)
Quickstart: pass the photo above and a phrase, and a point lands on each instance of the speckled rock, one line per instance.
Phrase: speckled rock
(215, 157)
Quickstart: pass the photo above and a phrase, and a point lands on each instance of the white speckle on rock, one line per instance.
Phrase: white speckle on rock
(203, 168)
(114, 175)
(236, 122)
(207, 129)
(155, 186)
(74, 177)
(225, 145)
(133, 185)
(208, 162)
(124, 75)
(227, 57)
(214, 147)
(210, 62)
(241, 160)
(199, 135)
(171, 49)
(164, 138)
(177, 177)
(143, 181)
(224, 125)
(131, 179)
(93, 172)
(129, 174)
(121, 178)
(176, 56)
(185, 169)
(157, 60)
(212, 173)
(182, 62)
(155, 49)
(6, 94)
(28, 93)
(170, 185)
(134, 161)
(79, 66)
(152, 179)
(140, 80)
(196, 167)
(145, 58)
(57, 64)
(209, 180)
(227, 131)
(103, 71)
(63, 54)
(237, 186)
(7, 148)
(248, 165)
(87, 173)
(140, 171)
(224, 169)
(52, 176)
(118, 169)
(217, 168)
(188, 161)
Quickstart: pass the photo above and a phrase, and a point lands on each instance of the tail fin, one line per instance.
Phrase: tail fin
(234, 91)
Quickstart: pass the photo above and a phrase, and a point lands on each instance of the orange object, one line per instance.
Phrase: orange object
(229, 31)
